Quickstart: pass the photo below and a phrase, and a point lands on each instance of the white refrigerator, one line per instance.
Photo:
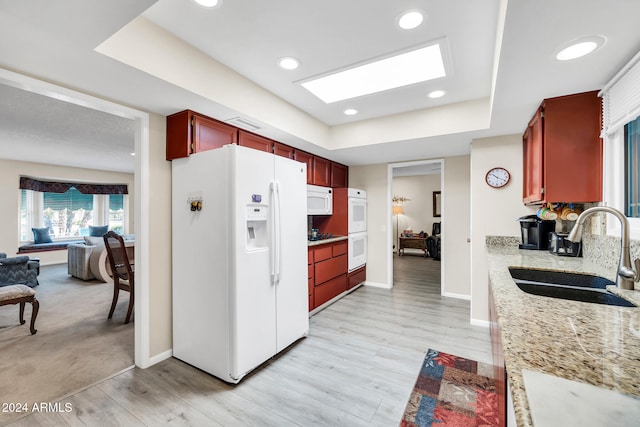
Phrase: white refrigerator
(239, 258)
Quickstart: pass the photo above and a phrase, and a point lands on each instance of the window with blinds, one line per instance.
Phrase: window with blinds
(632, 163)
(69, 215)
(621, 130)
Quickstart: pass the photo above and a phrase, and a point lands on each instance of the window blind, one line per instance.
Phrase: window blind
(621, 97)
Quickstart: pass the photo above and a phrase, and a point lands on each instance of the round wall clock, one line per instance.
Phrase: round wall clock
(497, 177)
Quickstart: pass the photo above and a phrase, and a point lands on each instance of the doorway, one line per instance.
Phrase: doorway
(411, 188)
(141, 184)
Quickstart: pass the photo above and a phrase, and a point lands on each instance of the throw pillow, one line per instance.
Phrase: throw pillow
(93, 241)
(98, 231)
(41, 235)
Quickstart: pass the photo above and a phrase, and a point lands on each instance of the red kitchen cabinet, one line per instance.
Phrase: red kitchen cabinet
(330, 289)
(498, 361)
(189, 132)
(304, 157)
(310, 278)
(257, 142)
(283, 150)
(339, 175)
(562, 151)
(356, 277)
(330, 268)
(321, 171)
(328, 265)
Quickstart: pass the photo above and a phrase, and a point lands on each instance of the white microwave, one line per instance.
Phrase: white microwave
(319, 200)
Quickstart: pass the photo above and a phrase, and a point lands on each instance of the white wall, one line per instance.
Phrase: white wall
(418, 212)
(456, 227)
(494, 212)
(373, 179)
(455, 258)
(160, 298)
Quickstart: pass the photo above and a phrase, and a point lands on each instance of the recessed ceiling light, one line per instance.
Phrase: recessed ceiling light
(400, 70)
(436, 94)
(133, 154)
(579, 48)
(350, 111)
(288, 63)
(410, 20)
(209, 3)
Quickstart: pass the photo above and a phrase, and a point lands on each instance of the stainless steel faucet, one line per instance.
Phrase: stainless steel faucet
(626, 274)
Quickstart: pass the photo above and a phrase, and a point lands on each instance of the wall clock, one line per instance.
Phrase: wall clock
(497, 177)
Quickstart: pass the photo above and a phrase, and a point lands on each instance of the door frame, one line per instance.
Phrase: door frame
(141, 185)
(390, 169)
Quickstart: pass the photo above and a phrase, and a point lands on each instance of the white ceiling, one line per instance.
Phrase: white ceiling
(501, 54)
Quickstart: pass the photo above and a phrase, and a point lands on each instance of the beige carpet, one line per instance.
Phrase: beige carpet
(75, 346)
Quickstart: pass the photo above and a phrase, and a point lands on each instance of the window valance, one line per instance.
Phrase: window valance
(33, 184)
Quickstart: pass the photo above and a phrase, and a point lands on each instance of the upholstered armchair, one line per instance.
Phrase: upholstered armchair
(20, 270)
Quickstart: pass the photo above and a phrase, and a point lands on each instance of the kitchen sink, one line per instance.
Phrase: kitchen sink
(559, 278)
(569, 286)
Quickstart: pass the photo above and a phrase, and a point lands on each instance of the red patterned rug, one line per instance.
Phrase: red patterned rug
(452, 392)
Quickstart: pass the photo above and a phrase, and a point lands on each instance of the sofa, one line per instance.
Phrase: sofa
(20, 270)
(89, 260)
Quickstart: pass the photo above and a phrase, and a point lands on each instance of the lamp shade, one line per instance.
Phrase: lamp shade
(397, 210)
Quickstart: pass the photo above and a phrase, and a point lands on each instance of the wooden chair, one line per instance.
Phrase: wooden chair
(121, 269)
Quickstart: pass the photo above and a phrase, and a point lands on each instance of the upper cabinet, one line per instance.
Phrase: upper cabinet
(304, 157)
(283, 150)
(339, 175)
(189, 132)
(562, 151)
(256, 142)
(321, 171)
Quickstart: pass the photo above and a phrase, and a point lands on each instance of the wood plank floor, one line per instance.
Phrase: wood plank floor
(357, 367)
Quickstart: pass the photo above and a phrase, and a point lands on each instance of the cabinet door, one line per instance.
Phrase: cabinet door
(321, 171)
(327, 270)
(282, 150)
(304, 157)
(210, 134)
(330, 289)
(339, 175)
(572, 148)
(178, 143)
(256, 142)
(533, 166)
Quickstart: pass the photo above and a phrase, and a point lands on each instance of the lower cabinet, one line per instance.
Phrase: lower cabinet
(328, 265)
(356, 277)
(498, 361)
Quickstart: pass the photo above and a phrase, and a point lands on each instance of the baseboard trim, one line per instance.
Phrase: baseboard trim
(159, 358)
(483, 323)
(377, 285)
(457, 296)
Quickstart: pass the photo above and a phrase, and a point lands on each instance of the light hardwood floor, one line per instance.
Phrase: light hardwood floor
(357, 367)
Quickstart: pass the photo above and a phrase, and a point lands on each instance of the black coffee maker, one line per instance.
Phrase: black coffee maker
(535, 232)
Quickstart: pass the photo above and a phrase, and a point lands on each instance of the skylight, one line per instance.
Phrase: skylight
(401, 70)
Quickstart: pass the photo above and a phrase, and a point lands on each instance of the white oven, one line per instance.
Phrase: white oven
(357, 250)
(357, 200)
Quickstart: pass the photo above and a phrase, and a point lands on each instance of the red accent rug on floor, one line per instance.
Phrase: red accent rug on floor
(452, 392)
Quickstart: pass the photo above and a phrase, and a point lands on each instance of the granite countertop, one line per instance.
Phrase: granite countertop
(325, 241)
(585, 342)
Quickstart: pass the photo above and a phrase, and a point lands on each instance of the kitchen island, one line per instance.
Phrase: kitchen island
(584, 342)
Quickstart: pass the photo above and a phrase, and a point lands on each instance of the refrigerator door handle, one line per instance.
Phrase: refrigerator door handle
(278, 233)
(272, 248)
